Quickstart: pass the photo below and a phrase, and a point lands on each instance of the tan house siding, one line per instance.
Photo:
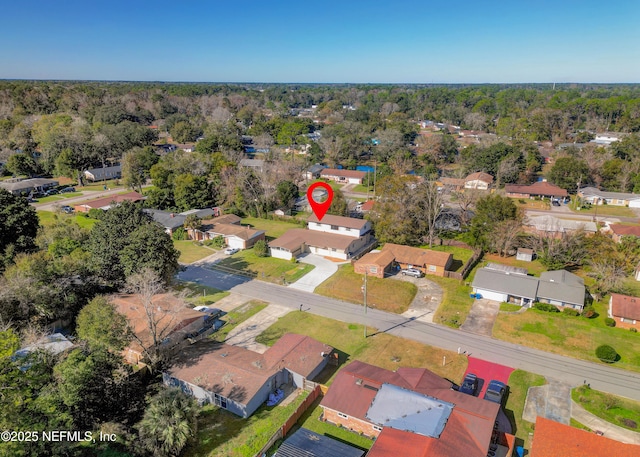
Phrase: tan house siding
(351, 423)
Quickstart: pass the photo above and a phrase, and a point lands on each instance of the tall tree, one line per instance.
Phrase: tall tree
(491, 211)
(100, 324)
(568, 172)
(18, 226)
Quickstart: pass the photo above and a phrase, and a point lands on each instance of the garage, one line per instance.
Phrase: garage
(490, 295)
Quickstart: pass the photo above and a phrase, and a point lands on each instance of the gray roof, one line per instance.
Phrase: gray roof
(104, 172)
(507, 268)
(549, 223)
(201, 213)
(54, 343)
(562, 286)
(410, 411)
(252, 163)
(305, 443)
(167, 219)
(24, 184)
(593, 192)
(506, 282)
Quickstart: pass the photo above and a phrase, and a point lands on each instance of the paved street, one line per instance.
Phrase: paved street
(572, 371)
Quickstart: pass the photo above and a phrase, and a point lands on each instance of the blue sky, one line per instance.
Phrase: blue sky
(495, 41)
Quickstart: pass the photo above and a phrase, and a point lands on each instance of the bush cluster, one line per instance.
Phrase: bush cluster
(609, 322)
(548, 307)
(606, 353)
(570, 312)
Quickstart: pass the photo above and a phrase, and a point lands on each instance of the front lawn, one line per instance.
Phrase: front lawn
(199, 295)
(269, 269)
(456, 302)
(460, 255)
(386, 294)
(380, 349)
(273, 228)
(519, 383)
(617, 410)
(576, 337)
(362, 188)
(607, 210)
(191, 251)
(223, 434)
(49, 217)
(236, 317)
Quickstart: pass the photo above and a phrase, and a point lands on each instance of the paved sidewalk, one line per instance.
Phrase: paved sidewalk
(244, 335)
(324, 269)
(610, 430)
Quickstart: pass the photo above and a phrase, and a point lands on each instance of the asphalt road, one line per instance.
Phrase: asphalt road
(566, 369)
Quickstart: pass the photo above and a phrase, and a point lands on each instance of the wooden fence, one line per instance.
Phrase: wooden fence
(472, 262)
(289, 423)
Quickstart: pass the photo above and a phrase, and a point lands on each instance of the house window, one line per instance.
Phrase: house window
(220, 401)
(373, 269)
(334, 227)
(318, 224)
(432, 268)
(375, 427)
(344, 416)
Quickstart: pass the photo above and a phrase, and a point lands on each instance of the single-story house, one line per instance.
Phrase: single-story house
(240, 380)
(556, 227)
(254, 164)
(228, 226)
(172, 221)
(375, 263)
(305, 443)
(553, 439)
(55, 344)
(625, 310)
(478, 180)
(27, 186)
(412, 404)
(559, 287)
(103, 173)
(451, 183)
(619, 230)
(538, 189)
(173, 320)
(343, 176)
(313, 172)
(601, 197)
(296, 242)
(607, 137)
(339, 225)
(186, 147)
(525, 254)
(107, 202)
(367, 206)
(425, 260)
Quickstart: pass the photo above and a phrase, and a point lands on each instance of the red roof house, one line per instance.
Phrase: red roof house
(625, 310)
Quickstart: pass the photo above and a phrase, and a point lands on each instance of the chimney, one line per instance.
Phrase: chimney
(172, 215)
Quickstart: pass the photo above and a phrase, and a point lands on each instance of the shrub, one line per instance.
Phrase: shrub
(633, 330)
(570, 312)
(261, 249)
(95, 213)
(629, 423)
(179, 234)
(217, 242)
(547, 307)
(589, 312)
(609, 322)
(606, 353)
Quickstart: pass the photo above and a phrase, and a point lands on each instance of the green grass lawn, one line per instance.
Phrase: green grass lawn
(273, 228)
(190, 251)
(386, 294)
(576, 337)
(460, 255)
(363, 188)
(49, 217)
(199, 295)
(223, 434)
(334, 185)
(59, 197)
(265, 268)
(519, 383)
(617, 410)
(607, 210)
(456, 302)
(534, 268)
(112, 184)
(236, 317)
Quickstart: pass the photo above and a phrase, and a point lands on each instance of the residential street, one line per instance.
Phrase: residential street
(572, 371)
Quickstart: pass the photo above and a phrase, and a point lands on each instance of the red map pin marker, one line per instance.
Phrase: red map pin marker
(320, 209)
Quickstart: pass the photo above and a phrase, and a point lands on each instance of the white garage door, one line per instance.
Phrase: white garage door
(234, 242)
(489, 295)
(634, 203)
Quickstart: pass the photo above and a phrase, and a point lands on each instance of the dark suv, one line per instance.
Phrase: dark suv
(495, 391)
(469, 385)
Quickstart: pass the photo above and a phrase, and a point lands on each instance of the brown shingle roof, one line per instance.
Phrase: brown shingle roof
(622, 230)
(106, 201)
(345, 173)
(539, 188)
(480, 176)
(552, 439)
(625, 306)
(381, 259)
(452, 181)
(294, 237)
(417, 256)
(240, 231)
(341, 221)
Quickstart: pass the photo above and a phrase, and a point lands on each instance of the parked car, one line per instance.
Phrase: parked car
(51, 192)
(555, 202)
(469, 385)
(495, 391)
(412, 272)
(67, 190)
(66, 209)
(230, 251)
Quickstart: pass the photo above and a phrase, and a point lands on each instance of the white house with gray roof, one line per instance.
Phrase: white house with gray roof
(600, 197)
(559, 287)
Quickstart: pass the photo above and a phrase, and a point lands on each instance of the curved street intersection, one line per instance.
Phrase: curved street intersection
(566, 369)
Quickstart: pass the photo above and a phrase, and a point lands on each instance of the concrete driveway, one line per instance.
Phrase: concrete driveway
(244, 335)
(481, 317)
(324, 268)
(551, 401)
(426, 301)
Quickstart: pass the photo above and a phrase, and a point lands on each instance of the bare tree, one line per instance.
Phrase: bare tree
(429, 203)
(608, 272)
(502, 238)
(466, 200)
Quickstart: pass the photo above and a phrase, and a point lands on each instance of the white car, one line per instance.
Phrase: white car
(230, 251)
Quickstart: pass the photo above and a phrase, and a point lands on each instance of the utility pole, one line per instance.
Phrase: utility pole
(365, 301)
